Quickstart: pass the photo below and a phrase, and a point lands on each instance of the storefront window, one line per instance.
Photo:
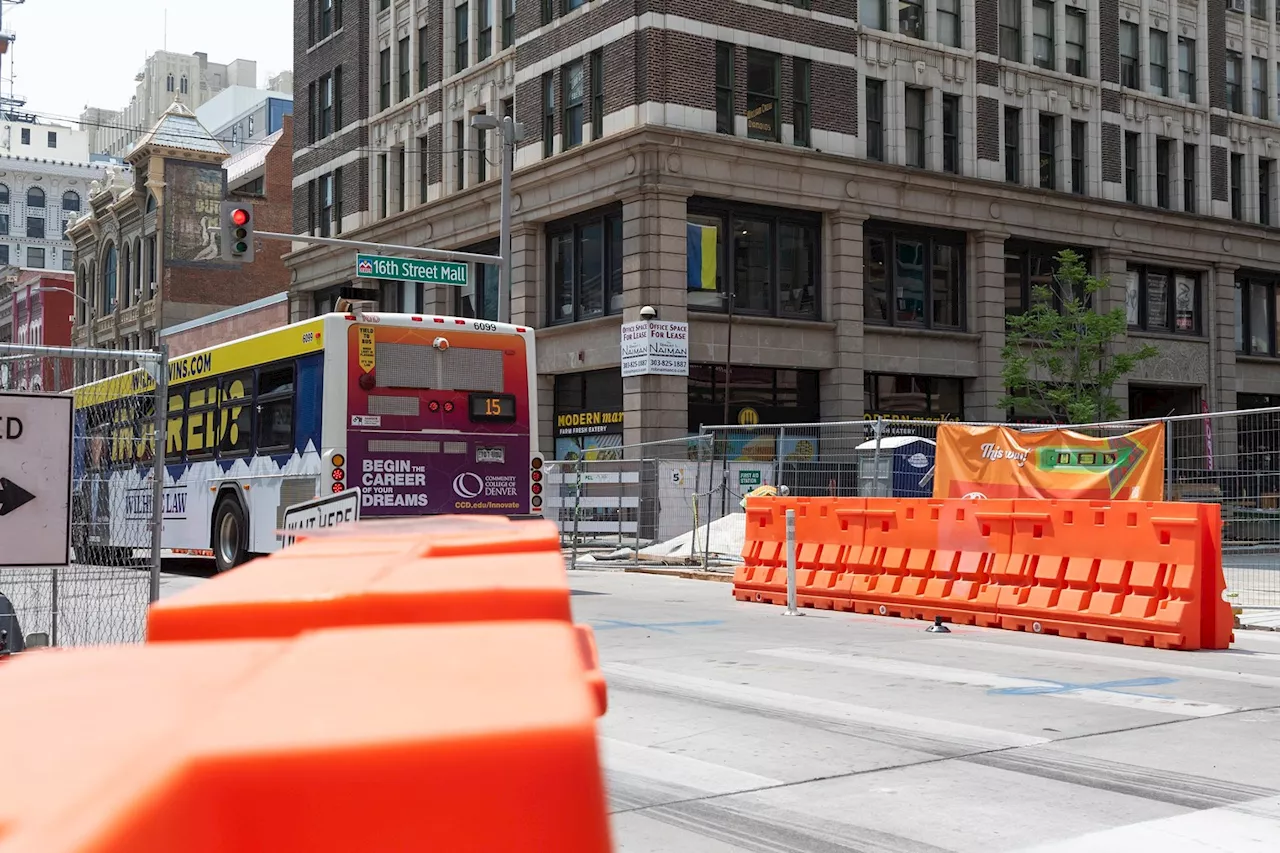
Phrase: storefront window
(767, 259)
(763, 395)
(588, 415)
(913, 277)
(1163, 300)
(898, 395)
(585, 260)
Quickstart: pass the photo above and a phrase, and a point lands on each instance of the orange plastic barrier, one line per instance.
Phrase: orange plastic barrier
(477, 737)
(422, 572)
(1133, 572)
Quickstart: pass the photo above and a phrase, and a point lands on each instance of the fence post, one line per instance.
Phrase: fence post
(157, 466)
(791, 565)
(777, 456)
(1168, 460)
(697, 489)
(577, 508)
(875, 461)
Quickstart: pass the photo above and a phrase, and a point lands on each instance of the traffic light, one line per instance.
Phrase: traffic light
(237, 232)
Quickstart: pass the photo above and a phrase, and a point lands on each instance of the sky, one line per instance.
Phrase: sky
(73, 53)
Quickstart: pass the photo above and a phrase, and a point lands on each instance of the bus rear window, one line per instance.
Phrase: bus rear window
(422, 366)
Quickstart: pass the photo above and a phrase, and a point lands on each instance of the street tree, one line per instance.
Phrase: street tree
(1061, 356)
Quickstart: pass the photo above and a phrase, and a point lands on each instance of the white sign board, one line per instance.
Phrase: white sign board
(35, 479)
(327, 511)
(655, 347)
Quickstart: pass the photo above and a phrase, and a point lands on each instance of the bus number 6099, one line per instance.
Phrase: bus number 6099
(486, 327)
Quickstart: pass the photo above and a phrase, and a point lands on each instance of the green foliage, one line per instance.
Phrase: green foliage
(1060, 357)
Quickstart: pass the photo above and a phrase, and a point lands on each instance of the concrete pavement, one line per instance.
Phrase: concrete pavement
(734, 728)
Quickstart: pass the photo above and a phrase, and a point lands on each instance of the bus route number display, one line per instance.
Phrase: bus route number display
(493, 407)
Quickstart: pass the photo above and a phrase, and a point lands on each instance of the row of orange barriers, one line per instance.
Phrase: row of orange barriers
(384, 687)
(1146, 574)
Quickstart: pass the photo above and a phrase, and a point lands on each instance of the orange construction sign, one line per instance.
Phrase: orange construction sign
(999, 462)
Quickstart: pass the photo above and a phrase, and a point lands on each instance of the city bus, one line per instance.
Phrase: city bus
(425, 414)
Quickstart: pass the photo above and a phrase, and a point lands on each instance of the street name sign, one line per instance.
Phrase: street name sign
(411, 269)
(326, 511)
(35, 479)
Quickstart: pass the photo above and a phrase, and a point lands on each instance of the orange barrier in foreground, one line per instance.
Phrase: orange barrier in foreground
(427, 572)
(1134, 572)
(477, 737)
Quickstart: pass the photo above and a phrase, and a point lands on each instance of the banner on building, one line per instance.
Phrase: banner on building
(193, 196)
(999, 462)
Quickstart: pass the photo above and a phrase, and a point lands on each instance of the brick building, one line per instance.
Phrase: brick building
(261, 315)
(147, 250)
(38, 305)
(877, 194)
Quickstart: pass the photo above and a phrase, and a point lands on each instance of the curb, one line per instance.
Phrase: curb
(686, 574)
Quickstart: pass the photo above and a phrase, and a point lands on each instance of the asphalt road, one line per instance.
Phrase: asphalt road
(734, 728)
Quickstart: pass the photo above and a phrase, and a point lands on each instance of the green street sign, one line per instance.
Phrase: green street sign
(748, 478)
(411, 269)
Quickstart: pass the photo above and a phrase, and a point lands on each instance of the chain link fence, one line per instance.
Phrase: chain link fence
(119, 413)
(680, 502)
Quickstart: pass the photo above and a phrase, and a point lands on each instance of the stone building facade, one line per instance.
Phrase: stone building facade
(147, 250)
(879, 186)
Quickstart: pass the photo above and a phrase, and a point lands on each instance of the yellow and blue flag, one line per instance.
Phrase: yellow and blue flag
(702, 257)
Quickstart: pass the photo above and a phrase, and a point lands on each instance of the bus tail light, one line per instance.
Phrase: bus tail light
(535, 484)
(338, 460)
(537, 476)
(537, 488)
(338, 473)
(338, 487)
(537, 502)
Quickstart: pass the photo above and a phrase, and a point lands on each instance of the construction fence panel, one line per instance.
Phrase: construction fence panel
(102, 595)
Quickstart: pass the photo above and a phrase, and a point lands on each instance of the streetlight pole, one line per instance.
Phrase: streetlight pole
(511, 132)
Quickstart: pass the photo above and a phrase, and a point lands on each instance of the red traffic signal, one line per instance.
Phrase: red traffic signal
(239, 216)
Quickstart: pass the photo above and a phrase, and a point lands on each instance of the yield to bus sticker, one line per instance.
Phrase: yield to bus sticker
(366, 348)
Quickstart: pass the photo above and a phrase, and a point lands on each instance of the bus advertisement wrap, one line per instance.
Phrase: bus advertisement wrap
(999, 462)
(411, 484)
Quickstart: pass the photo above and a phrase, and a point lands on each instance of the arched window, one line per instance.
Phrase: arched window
(151, 202)
(109, 280)
(4, 194)
(137, 267)
(126, 276)
(71, 201)
(168, 83)
(82, 277)
(35, 197)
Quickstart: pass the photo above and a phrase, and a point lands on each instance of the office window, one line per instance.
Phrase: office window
(1259, 69)
(461, 49)
(4, 224)
(914, 123)
(168, 83)
(337, 101)
(767, 258)
(948, 23)
(548, 115)
(597, 94)
(1162, 300)
(384, 79)
(337, 200)
(1078, 133)
(1042, 33)
(1011, 30)
(484, 38)
(1255, 312)
(800, 103)
(724, 87)
(423, 70)
(913, 277)
(1189, 178)
(4, 260)
(1187, 68)
(763, 120)
(1013, 145)
(403, 67)
(548, 12)
(509, 108)
(53, 139)
(872, 14)
(508, 23)
(35, 197)
(571, 79)
(326, 105)
(951, 134)
(585, 267)
(326, 18)
(1266, 168)
(383, 187)
(35, 259)
(1164, 157)
(1158, 44)
(384, 5)
(1131, 145)
(460, 154)
(1028, 266)
(1258, 9)
(875, 119)
(911, 18)
(1237, 189)
(313, 114)
(183, 84)
(35, 227)
(1076, 39)
(326, 204)
(1048, 151)
(424, 169)
(1128, 55)
(68, 260)
(1234, 73)
(71, 201)
(4, 194)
